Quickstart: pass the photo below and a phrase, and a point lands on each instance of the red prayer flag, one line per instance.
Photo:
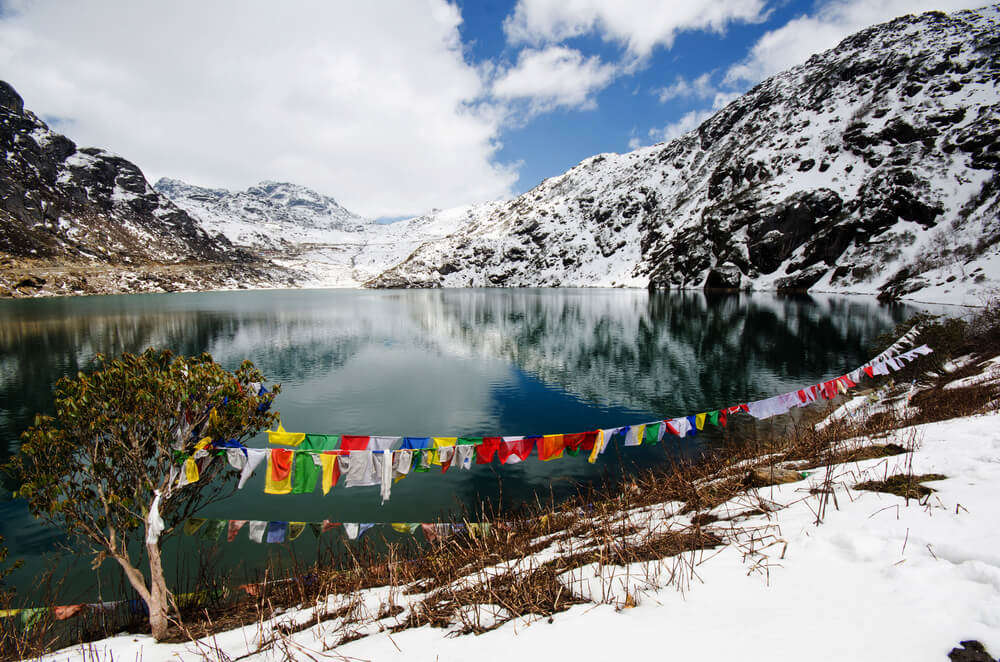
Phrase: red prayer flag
(486, 450)
(281, 463)
(353, 443)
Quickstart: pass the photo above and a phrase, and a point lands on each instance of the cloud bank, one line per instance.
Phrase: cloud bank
(372, 103)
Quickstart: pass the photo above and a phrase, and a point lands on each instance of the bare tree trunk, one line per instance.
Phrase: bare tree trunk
(155, 595)
(158, 596)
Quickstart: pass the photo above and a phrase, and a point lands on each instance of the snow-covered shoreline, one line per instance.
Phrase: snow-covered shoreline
(878, 577)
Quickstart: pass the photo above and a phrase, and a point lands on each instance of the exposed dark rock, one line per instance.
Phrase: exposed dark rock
(67, 205)
(970, 651)
(724, 277)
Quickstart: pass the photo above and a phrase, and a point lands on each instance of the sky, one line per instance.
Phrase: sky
(399, 107)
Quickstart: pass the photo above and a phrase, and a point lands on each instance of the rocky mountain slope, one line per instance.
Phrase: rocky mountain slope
(270, 215)
(68, 213)
(871, 168)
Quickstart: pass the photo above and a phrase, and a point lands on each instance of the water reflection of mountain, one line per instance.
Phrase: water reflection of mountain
(661, 351)
(628, 348)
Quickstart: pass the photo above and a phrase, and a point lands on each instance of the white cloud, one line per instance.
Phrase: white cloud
(555, 77)
(639, 25)
(797, 40)
(691, 120)
(372, 103)
(699, 88)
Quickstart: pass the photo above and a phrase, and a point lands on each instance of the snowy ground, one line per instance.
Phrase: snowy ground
(878, 579)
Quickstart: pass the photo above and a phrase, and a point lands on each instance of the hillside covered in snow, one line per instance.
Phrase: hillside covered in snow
(270, 215)
(871, 168)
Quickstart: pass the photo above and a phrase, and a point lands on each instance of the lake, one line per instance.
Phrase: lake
(433, 363)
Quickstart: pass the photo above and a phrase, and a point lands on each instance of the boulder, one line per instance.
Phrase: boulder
(724, 277)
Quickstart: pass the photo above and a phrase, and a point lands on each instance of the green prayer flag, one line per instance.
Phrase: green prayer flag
(305, 473)
(213, 528)
(469, 441)
(652, 434)
(316, 529)
(572, 451)
(320, 442)
(713, 418)
(421, 461)
(31, 615)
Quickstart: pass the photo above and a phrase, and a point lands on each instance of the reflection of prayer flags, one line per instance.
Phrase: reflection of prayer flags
(234, 527)
(283, 438)
(193, 524)
(276, 531)
(213, 528)
(295, 529)
(256, 530)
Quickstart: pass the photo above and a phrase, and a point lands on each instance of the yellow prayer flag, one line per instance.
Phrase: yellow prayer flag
(598, 445)
(274, 485)
(401, 527)
(295, 529)
(283, 438)
(190, 471)
(328, 461)
(441, 442)
(699, 421)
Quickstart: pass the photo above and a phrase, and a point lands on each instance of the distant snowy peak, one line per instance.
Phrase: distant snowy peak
(268, 215)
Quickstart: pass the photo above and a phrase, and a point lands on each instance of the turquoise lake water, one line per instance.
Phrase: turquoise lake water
(432, 363)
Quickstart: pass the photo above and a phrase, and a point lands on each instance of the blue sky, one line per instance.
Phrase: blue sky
(629, 107)
(402, 106)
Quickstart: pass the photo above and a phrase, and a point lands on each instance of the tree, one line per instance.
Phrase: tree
(130, 429)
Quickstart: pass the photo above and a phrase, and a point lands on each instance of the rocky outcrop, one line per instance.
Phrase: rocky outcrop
(60, 204)
(870, 168)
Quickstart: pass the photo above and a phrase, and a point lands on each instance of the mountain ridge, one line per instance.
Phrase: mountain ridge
(870, 168)
(70, 214)
(269, 215)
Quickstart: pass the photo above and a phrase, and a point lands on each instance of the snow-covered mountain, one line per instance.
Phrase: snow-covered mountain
(873, 167)
(270, 215)
(83, 220)
(60, 201)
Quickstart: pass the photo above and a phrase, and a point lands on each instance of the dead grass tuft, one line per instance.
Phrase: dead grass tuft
(907, 486)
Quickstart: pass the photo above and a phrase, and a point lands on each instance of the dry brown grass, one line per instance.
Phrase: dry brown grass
(456, 582)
